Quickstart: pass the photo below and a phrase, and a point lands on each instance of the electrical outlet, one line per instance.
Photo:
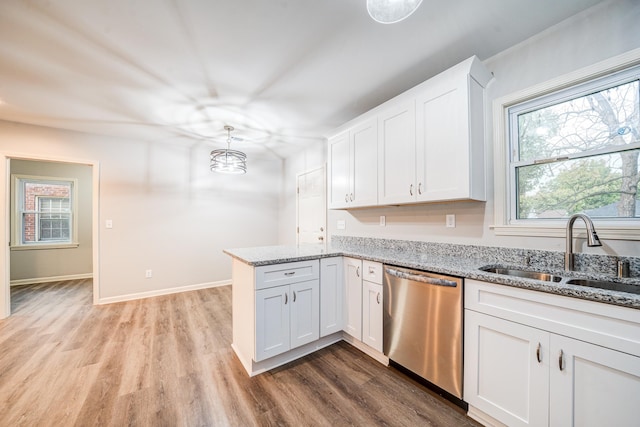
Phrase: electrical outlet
(341, 224)
(148, 274)
(451, 221)
(383, 220)
(108, 223)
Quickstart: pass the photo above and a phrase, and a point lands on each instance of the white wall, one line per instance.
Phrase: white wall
(46, 263)
(599, 33)
(170, 213)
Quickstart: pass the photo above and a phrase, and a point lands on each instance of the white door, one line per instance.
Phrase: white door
(506, 371)
(592, 385)
(311, 207)
(305, 312)
(397, 154)
(353, 297)
(372, 315)
(272, 322)
(331, 295)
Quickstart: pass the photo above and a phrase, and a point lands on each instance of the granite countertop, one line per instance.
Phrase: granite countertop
(444, 263)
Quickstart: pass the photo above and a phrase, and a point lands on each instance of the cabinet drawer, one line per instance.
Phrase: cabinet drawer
(268, 276)
(372, 272)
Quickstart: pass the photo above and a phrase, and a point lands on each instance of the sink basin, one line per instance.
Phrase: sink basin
(523, 273)
(611, 286)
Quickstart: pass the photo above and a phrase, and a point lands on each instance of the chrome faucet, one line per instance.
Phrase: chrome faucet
(592, 238)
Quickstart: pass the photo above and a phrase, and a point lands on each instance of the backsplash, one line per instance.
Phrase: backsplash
(536, 259)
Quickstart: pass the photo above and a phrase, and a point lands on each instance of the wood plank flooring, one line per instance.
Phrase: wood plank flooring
(167, 361)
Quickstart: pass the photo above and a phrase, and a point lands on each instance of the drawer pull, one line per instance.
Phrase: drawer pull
(372, 270)
(290, 273)
(538, 355)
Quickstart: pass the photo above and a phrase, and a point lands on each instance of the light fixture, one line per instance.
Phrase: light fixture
(391, 11)
(228, 160)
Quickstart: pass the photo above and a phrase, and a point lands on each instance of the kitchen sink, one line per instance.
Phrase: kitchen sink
(602, 284)
(528, 274)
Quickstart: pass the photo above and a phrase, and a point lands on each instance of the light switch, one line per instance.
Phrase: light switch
(109, 223)
(341, 225)
(451, 221)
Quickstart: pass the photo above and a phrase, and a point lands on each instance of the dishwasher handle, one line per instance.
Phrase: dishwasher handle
(418, 277)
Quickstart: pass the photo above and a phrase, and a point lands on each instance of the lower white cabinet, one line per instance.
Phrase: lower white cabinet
(286, 317)
(528, 373)
(372, 315)
(353, 297)
(331, 295)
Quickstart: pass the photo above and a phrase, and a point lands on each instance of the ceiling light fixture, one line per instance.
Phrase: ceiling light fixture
(228, 160)
(391, 11)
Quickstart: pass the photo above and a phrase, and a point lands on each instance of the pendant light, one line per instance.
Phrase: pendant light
(391, 11)
(228, 160)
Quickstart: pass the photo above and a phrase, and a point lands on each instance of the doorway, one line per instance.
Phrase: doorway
(311, 207)
(90, 227)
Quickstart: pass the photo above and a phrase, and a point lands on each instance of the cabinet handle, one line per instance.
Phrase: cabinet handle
(358, 271)
(560, 360)
(378, 298)
(372, 270)
(351, 197)
(538, 355)
(346, 197)
(294, 296)
(411, 189)
(286, 298)
(420, 188)
(289, 273)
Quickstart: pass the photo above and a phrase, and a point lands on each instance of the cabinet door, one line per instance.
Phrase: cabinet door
(504, 374)
(596, 386)
(272, 322)
(450, 141)
(353, 297)
(331, 295)
(364, 175)
(397, 155)
(338, 171)
(305, 312)
(372, 315)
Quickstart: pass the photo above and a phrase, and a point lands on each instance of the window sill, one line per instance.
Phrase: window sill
(38, 246)
(560, 230)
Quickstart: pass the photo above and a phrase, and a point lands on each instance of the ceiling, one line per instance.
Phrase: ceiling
(283, 72)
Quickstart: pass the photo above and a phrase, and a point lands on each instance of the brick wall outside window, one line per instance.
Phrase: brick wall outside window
(31, 193)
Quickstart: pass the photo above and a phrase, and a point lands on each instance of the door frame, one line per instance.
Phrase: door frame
(323, 168)
(5, 220)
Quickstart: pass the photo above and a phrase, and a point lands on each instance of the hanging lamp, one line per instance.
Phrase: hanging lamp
(227, 160)
(391, 11)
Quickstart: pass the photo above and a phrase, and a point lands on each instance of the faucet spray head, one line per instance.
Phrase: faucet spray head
(592, 239)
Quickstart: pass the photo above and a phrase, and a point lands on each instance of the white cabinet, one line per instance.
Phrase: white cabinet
(450, 135)
(353, 167)
(353, 297)
(363, 301)
(372, 305)
(286, 317)
(331, 295)
(397, 154)
(430, 145)
(536, 359)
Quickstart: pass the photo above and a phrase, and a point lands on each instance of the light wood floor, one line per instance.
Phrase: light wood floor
(167, 361)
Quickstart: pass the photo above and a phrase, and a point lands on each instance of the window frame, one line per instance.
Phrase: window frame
(504, 178)
(16, 242)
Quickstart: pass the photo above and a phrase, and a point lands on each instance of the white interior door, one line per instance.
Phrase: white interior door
(311, 207)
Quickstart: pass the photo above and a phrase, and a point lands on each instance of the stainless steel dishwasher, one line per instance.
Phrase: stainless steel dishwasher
(423, 325)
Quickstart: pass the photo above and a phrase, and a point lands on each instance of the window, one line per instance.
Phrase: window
(571, 146)
(577, 150)
(44, 212)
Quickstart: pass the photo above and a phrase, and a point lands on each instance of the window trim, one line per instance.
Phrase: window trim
(16, 225)
(607, 229)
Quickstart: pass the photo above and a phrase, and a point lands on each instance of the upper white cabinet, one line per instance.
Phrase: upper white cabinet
(353, 166)
(430, 143)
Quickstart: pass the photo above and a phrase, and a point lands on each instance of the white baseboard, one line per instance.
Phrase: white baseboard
(159, 292)
(34, 281)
